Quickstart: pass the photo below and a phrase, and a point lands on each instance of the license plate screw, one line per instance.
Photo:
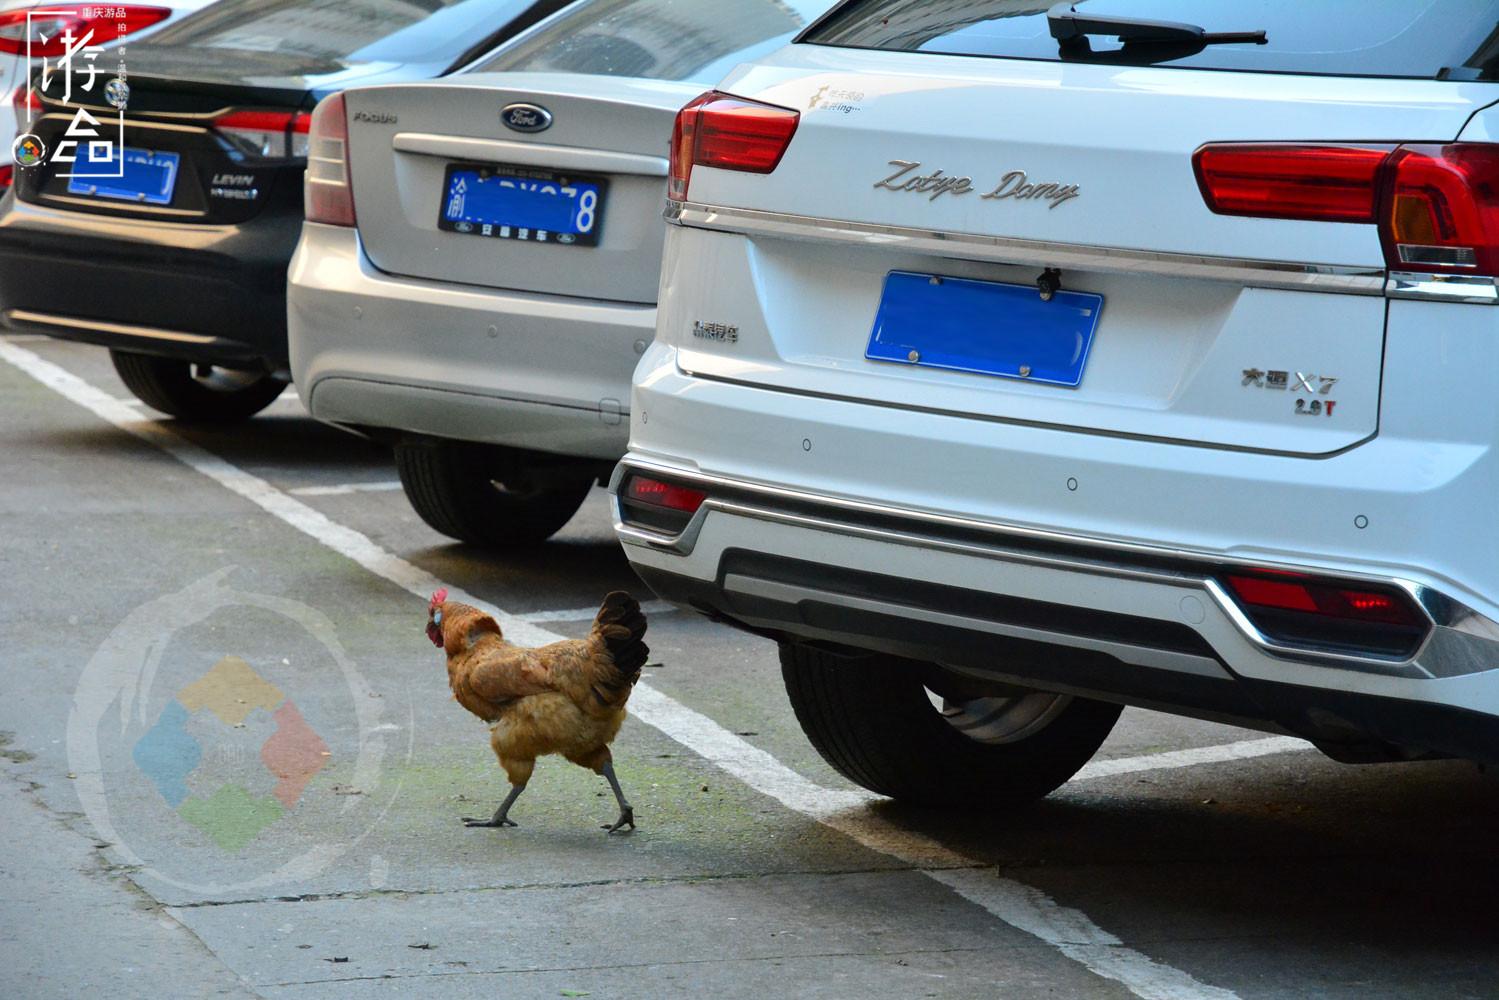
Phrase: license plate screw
(1025, 371)
(913, 357)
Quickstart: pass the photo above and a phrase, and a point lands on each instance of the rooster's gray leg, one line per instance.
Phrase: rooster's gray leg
(626, 812)
(500, 817)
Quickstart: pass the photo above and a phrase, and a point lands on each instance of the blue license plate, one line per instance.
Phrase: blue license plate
(144, 176)
(516, 203)
(984, 327)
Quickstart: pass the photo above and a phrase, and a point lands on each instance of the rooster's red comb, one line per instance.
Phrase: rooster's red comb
(438, 597)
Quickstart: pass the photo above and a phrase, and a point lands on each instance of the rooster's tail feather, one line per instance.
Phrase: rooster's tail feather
(620, 625)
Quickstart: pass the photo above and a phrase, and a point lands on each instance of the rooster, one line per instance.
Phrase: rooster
(567, 698)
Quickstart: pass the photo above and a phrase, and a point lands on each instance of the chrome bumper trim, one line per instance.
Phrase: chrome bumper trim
(28, 318)
(1462, 641)
(1347, 279)
(1007, 250)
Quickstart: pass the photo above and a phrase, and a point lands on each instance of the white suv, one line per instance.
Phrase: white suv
(1007, 372)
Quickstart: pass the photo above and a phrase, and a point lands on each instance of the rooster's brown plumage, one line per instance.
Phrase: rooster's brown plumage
(567, 698)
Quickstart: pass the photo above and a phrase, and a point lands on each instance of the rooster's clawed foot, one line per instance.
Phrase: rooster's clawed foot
(626, 819)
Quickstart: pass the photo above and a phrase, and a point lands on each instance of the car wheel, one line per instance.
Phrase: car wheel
(457, 490)
(196, 392)
(875, 720)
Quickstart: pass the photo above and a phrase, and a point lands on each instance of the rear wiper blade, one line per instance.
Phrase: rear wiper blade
(1071, 30)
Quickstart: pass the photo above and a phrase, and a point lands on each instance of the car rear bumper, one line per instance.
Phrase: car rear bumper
(908, 533)
(372, 350)
(208, 294)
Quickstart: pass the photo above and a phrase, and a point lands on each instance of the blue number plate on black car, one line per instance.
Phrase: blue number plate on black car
(145, 176)
(984, 327)
(516, 203)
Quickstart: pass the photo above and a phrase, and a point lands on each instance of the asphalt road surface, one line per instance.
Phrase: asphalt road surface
(230, 765)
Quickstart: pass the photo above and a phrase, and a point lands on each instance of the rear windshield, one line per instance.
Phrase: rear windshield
(335, 32)
(1441, 39)
(657, 39)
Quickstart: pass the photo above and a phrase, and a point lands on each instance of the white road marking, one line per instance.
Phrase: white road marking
(346, 488)
(586, 614)
(1070, 931)
(1242, 750)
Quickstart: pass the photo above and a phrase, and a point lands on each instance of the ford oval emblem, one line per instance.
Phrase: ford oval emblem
(526, 117)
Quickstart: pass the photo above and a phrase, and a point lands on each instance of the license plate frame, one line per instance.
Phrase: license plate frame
(486, 222)
(935, 321)
(146, 176)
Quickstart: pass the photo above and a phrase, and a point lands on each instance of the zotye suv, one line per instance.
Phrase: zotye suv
(1016, 364)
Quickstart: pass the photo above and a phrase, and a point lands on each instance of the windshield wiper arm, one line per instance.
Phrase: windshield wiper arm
(1071, 30)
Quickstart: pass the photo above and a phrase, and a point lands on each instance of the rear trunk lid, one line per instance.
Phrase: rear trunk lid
(1213, 330)
(607, 132)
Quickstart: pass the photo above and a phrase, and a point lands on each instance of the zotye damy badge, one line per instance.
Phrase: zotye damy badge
(908, 178)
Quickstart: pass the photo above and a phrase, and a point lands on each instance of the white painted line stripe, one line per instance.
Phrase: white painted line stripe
(1242, 750)
(1019, 905)
(586, 614)
(344, 489)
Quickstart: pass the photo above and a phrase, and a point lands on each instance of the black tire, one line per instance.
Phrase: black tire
(872, 720)
(455, 487)
(169, 386)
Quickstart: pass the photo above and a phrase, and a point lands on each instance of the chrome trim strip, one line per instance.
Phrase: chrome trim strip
(1472, 288)
(1143, 656)
(529, 154)
(1462, 641)
(1354, 280)
(72, 322)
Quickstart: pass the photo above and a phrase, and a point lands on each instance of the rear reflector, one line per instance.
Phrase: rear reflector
(657, 505)
(1437, 206)
(1329, 614)
(50, 25)
(329, 184)
(729, 133)
(659, 494)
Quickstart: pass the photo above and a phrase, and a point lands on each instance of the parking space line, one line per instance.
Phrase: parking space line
(344, 489)
(1241, 750)
(1021, 906)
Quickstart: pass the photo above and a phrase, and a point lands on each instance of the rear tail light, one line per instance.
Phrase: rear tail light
(1330, 614)
(1437, 206)
(266, 135)
(7, 176)
(330, 192)
(730, 133)
(27, 103)
(50, 25)
(663, 506)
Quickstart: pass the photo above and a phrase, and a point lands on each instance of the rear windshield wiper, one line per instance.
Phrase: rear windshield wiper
(1071, 30)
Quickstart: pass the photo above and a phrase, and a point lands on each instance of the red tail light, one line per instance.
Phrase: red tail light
(1437, 206)
(1271, 180)
(329, 191)
(27, 102)
(730, 133)
(50, 24)
(7, 176)
(266, 135)
(668, 495)
(1440, 211)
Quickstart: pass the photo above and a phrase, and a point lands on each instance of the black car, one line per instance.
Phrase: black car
(179, 266)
